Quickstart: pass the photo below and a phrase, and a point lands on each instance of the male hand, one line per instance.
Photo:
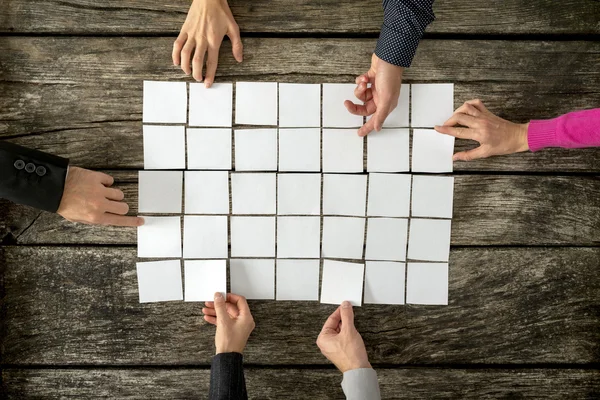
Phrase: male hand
(88, 198)
(207, 22)
(495, 135)
(341, 343)
(381, 98)
(233, 320)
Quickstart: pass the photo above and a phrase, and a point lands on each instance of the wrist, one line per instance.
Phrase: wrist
(523, 142)
(357, 365)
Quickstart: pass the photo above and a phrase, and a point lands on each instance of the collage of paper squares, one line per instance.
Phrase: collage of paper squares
(283, 201)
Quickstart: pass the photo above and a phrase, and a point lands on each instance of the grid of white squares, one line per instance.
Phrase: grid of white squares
(293, 202)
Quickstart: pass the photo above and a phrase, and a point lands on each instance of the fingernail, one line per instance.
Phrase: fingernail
(142, 221)
(218, 296)
(346, 304)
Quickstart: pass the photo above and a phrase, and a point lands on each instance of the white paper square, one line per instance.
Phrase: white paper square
(256, 103)
(298, 279)
(300, 149)
(389, 195)
(253, 279)
(429, 239)
(344, 194)
(159, 237)
(432, 151)
(204, 237)
(206, 192)
(386, 239)
(343, 237)
(212, 106)
(384, 282)
(165, 102)
(159, 281)
(299, 194)
(256, 149)
(164, 147)
(299, 105)
(427, 283)
(432, 196)
(432, 104)
(298, 237)
(398, 118)
(209, 148)
(388, 150)
(252, 237)
(335, 114)
(203, 278)
(253, 193)
(160, 191)
(342, 281)
(342, 151)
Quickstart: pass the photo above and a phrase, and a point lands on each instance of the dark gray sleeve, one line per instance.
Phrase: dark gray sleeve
(32, 177)
(227, 380)
(404, 22)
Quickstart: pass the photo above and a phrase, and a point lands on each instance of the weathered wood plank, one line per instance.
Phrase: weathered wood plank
(417, 383)
(277, 16)
(86, 103)
(488, 210)
(511, 305)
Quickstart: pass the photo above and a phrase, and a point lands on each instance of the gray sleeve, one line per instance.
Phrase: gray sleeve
(361, 384)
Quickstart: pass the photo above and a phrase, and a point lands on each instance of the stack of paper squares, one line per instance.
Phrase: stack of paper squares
(278, 192)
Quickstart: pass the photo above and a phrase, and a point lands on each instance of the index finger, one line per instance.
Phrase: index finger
(121, 220)
(461, 119)
(240, 302)
(105, 179)
(333, 321)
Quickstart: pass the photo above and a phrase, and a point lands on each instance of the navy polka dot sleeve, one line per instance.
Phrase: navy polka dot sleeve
(404, 22)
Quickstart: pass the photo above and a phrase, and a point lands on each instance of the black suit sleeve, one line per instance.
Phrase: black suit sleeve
(404, 22)
(32, 177)
(227, 380)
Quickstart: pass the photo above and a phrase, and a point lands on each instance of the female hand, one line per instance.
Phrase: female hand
(496, 136)
(341, 343)
(207, 22)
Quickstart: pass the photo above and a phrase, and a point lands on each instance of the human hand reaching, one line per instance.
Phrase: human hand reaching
(341, 343)
(207, 22)
(233, 320)
(496, 136)
(88, 198)
(381, 98)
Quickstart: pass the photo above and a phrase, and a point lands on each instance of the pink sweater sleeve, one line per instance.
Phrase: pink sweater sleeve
(573, 130)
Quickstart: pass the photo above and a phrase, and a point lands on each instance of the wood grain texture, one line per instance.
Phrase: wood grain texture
(150, 384)
(308, 16)
(79, 306)
(86, 103)
(488, 210)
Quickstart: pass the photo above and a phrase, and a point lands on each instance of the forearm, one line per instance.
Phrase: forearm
(573, 130)
(361, 384)
(404, 22)
(32, 177)
(227, 380)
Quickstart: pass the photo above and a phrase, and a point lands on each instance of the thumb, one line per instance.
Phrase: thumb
(469, 155)
(237, 48)
(220, 307)
(347, 315)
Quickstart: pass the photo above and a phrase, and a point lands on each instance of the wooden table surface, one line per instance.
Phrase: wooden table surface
(524, 314)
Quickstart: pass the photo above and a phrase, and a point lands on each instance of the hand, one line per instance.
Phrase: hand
(381, 98)
(233, 320)
(495, 135)
(207, 22)
(88, 198)
(341, 343)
